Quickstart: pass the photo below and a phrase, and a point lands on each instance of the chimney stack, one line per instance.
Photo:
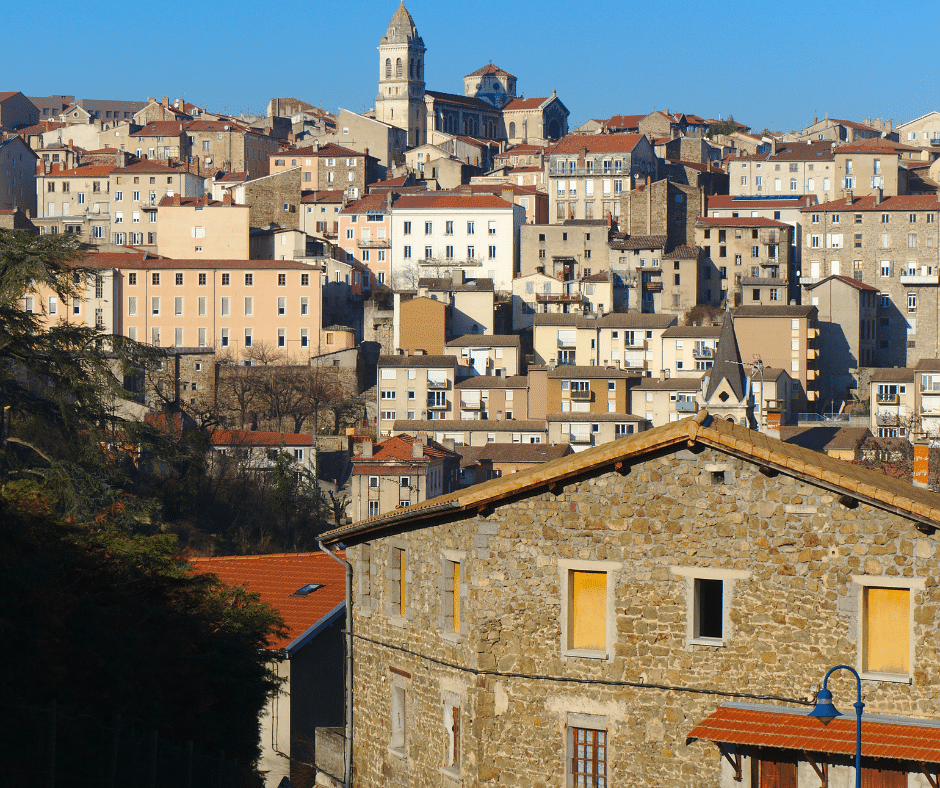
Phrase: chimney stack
(921, 463)
(367, 449)
(879, 194)
(848, 196)
(177, 200)
(227, 198)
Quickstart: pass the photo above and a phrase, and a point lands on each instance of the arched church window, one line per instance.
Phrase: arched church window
(512, 131)
(398, 68)
(411, 69)
(420, 68)
(388, 68)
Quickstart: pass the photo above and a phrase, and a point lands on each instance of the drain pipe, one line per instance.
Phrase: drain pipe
(347, 776)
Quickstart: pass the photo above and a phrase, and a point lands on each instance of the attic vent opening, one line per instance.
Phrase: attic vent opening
(718, 477)
(723, 396)
(307, 589)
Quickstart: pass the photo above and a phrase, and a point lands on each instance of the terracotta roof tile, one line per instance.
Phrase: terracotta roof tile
(276, 578)
(526, 103)
(740, 221)
(220, 437)
(450, 200)
(598, 143)
(896, 738)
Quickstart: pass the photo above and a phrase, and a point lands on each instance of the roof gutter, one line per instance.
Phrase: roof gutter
(347, 755)
(390, 519)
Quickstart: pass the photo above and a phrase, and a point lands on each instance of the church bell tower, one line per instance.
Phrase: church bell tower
(400, 100)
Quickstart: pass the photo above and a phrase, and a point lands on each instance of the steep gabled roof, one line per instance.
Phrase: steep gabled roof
(844, 478)
(727, 365)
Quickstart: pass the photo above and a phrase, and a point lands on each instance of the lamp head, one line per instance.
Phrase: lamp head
(824, 711)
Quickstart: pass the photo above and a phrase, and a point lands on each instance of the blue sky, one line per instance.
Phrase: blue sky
(775, 66)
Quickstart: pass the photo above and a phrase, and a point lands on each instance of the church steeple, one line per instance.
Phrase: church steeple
(400, 100)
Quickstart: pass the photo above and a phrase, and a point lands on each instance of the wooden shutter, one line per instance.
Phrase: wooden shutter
(883, 777)
(887, 630)
(588, 620)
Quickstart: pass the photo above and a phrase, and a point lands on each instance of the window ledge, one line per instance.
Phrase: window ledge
(453, 775)
(398, 621)
(585, 653)
(896, 678)
(713, 642)
(398, 752)
(453, 637)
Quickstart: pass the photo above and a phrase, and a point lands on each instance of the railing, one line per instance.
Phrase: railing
(558, 298)
(567, 343)
(766, 281)
(888, 399)
(378, 243)
(703, 351)
(910, 278)
(437, 384)
(470, 404)
(581, 394)
(888, 420)
(559, 172)
(579, 437)
(451, 261)
(653, 287)
(684, 406)
(769, 237)
(843, 419)
(437, 405)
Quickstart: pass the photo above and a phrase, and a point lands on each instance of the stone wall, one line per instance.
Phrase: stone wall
(266, 198)
(788, 551)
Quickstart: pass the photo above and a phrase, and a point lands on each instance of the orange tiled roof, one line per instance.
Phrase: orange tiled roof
(897, 738)
(740, 221)
(220, 437)
(399, 448)
(903, 202)
(86, 171)
(489, 68)
(276, 578)
(600, 143)
(431, 200)
(526, 103)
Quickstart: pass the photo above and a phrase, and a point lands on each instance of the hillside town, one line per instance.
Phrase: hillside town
(628, 431)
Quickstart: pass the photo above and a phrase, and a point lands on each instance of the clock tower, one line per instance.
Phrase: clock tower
(400, 100)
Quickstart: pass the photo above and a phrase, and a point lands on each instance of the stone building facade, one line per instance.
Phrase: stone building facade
(617, 597)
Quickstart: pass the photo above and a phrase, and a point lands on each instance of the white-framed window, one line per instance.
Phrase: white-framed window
(586, 751)
(709, 595)
(885, 626)
(398, 741)
(249, 306)
(452, 760)
(588, 624)
(374, 508)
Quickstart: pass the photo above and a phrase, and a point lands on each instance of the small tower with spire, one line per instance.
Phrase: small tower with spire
(400, 100)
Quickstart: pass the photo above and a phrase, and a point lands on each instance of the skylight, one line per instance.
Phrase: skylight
(307, 589)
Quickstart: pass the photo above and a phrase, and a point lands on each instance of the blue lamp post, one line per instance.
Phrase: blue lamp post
(825, 712)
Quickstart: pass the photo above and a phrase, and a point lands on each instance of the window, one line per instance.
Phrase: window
(282, 305)
(178, 306)
(452, 593)
(282, 280)
(452, 706)
(155, 305)
(304, 305)
(249, 279)
(373, 508)
(587, 603)
(912, 302)
(407, 228)
(248, 337)
(709, 595)
(587, 752)
(399, 704)
(249, 306)
(885, 625)
(397, 583)
(470, 228)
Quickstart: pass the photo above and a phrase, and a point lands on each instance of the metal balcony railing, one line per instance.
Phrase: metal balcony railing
(684, 406)
(581, 394)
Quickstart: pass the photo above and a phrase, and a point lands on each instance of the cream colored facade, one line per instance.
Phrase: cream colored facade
(485, 398)
(473, 432)
(662, 400)
(922, 131)
(583, 430)
(689, 351)
(228, 305)
(486, 355)
(200, 227)
(415, 388)
(864, 169)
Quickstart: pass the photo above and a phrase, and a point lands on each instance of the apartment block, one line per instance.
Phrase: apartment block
(477, 432)
(744, 258)
(493, 355)
(588, 174)
(74, 200)
(397, 472)
(540, 292)
(415, 388)
(571, 250)
(893, 402)
(469, 303)
(329, 166)
(364, 233)
(434, 234)
(197, 226)
(489, 398)
(689, 351)
(794, 168)
(17, 175)
(589, 390)
(660, 400)
(923, 131)
(583, 430)
(891, 243)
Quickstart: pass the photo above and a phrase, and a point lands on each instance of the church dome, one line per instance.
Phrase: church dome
(401, 29)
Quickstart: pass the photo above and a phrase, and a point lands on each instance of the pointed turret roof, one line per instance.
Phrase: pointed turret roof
(727, 364)
(401, 29)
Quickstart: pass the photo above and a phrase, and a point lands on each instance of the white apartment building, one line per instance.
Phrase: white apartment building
(435, 234)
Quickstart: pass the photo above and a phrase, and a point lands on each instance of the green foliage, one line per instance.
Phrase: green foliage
(726, 126)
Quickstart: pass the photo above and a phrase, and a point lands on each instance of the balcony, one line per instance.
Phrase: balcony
(769, 237)
(685, 406)
(437, 384)
(888, 420)
(812, 333)
(448, 262)
(920, 278)
(653, 287)
(582, 395)
(579, 437)
(558, 298)
(376, 243)
(888, 399)
(930, 387)
(437, 404)
(703, 352)
(812, 353)
(567, 343)
(473, 404)
(762, 281)
(567, 172)
(935, 142)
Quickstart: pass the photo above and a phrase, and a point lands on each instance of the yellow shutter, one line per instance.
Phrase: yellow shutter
(456, 596)
(887, 630)
(587, 623)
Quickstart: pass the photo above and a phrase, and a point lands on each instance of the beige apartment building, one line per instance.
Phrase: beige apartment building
(75, 200)
(747, 259)
(660, 400)
(364, 234)
(583, 430)
(620, 340)
(329, 166)
(200, 226)
(784, 337)
(892, 403)
(891, 243)
(795, 168)
(368, 135)
(588, 174)
(489, 356)
(415, 388)
(923, 131)
(570, 250)
(477, 432)
(780, 208)
(469, 302)
(541, 293)
(489, 398)
(865, 169)
(689, 351)
(589, 390)
(400, 471)
(229, 305)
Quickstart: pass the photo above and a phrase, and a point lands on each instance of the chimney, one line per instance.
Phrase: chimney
(773, 146)
(815, 120)
(177, 200)
(921, 463)
(879, 194)
(166, 101)
(366, 449)
(151, 99)
(457, 276)
(662, 376)
(227, 198)
(70, 145)
(417, 449)
(848, 196)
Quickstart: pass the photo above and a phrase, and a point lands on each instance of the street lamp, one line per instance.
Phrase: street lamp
(825, 712)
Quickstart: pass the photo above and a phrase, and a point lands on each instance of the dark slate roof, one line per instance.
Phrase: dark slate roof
(727, 364)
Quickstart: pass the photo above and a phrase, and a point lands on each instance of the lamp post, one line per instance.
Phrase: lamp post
(825, 712)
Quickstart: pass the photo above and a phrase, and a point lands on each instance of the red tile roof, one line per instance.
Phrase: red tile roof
(86, 171)
(220, 437)
(600, 143)
(526, 103)
(897, 738)
(489, 68)
(740, 221)
(370, 203)
(856, 147)
(399, 448)
(728, 201)
(277, 577)
(904, 202)
(845, 280)
(623, 122)
(411, 201)
(161, 128)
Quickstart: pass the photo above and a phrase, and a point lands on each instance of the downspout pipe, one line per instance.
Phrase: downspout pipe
(347, 757)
